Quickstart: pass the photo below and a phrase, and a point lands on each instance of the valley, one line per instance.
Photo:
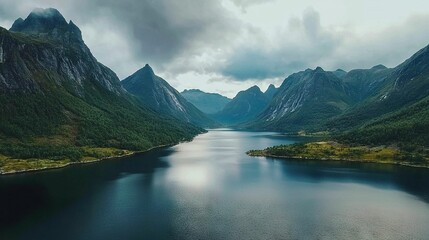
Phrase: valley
(217, 120)
(77, 110)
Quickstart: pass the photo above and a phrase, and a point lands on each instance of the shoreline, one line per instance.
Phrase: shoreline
(404, 164)
(34, 170)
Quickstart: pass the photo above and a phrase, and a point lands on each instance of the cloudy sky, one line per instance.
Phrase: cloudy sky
(229, 45)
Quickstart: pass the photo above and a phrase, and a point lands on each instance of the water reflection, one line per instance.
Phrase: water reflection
(411, 180)
(210, 189)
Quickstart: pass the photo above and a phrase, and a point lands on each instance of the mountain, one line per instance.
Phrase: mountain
(48, 23)
(244, 106)
(208, 103)
(59, 103)
(340, 73)
(155, 93)
(303, 101)
(408, 127)
(398, 111)
(364, 83)
(400, 87)
(373, 106)
(271, 91)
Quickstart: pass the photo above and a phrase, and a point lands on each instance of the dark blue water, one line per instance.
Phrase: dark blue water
(210, 189)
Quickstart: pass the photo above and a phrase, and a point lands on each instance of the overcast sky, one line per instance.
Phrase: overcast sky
(227, 46)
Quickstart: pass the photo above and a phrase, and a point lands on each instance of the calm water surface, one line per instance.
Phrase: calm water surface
(210, 189)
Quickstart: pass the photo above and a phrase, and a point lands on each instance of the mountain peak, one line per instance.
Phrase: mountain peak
(192, 91)
(252, 91)
(47, 13)
(147, 70)
(270, 88)
(48, 22)
(379, 67)
(157, 94)
(244, 106)
(40, 21)
(271, 91)
(339, 73)
(144, 74)
(319, 69)
(254, 88)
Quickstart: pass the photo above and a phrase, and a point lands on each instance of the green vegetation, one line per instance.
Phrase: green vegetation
(44, 157)
(37, 127)
(60, 106)
(336, 151)
(408, 128)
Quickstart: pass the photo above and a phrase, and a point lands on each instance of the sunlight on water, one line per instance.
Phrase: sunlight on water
(210, 189)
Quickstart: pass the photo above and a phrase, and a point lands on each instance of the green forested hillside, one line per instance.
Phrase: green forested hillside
(408, 127)
(58, 103)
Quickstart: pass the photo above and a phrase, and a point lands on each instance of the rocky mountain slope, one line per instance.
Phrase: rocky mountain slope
(59, 103)
(303, 101)
(377, 105)
(155, 93)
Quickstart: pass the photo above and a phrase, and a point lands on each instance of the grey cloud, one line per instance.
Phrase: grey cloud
(307, 43)
(246, 3)
(177, 37)
(390, 46)
(256, 64)
(158, 32)
(302, 46)
(165, 30)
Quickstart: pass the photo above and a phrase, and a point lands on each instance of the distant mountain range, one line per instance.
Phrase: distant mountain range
(246, 105)
(59, 103)
(303, 100)
(397, 111)
(377, 105)
(271, 91)
(208, 103)
(242, 108)
(155, 93)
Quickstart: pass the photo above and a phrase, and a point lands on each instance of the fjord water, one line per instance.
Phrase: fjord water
(210, 189)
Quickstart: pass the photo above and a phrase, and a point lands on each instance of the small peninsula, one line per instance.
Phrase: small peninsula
(333, 151)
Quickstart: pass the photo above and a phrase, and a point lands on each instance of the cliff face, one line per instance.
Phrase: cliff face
(55, 95)
(155, 93)
(45, 47)
(303, 100)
